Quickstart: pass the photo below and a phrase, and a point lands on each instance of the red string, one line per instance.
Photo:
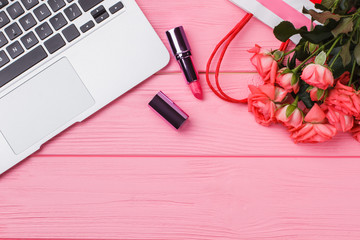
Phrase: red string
(227, 40)
(234, 31)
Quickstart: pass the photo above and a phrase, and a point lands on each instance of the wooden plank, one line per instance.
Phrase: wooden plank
(206, 22)
(181, 198)
(215, 128)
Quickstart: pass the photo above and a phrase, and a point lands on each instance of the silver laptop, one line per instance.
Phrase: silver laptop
(62, 60)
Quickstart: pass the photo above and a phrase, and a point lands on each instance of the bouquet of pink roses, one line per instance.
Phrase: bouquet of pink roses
(313, 89)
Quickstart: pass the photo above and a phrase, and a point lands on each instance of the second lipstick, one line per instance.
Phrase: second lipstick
(182, 51)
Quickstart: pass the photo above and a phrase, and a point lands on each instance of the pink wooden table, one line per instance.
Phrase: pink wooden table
(124, 174)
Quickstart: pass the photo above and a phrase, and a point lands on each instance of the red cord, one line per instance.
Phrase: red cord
(243, 22)
(234, 30)
(228, 39)
(284, 45)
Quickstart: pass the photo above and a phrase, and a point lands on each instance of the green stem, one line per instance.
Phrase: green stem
(333, 46)
(352, 74)
(333, 8)
(314, 53)
(295, 103)
(306, 60)
(336, 57)
(287, 53)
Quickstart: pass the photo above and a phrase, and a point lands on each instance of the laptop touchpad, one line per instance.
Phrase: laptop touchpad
(42, 105)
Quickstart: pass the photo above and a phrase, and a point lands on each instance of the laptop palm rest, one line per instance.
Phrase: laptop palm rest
(42, 105)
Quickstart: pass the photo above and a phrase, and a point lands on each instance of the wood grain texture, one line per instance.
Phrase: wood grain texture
(125, 174)
(215, 128)
(181, 198)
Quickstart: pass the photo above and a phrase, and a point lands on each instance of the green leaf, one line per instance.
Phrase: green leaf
(320, 33)
(310, 88)
(321, 7)
(301, 51)
(328, 3)
(322, 17)
(312, 47)
(326, 95)
(321, 58)
(357, 53)
(287, 70)
(286, 30)
(304, 96)
(294, 79)
(278, 55)
(346, 25)
(290, 110)
(320, 93)
(345, 54)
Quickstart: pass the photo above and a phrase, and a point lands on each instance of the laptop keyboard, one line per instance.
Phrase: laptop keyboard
(33, 30)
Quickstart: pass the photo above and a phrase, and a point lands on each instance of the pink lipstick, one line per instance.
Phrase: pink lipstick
(181, 49)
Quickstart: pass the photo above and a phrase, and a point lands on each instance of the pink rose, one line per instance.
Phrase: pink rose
(318, 76)
(284, 81)
(294, 120)
(264, 63)
(356, 130)
(261, 102)
(338, 119)
(344, 78)
(344, 99)
(315, 129)
(314, 94)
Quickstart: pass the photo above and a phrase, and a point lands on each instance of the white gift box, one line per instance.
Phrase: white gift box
(272, 12)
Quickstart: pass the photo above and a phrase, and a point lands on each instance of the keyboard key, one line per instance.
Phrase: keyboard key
(15, 49)
(72, 12)
(27, 22)
(54, 43)
(22, 64)
(3, 40)
(13, 31)
(29, 40)
(3, 58)
(102, 17)
(3, 19)
(3, 3)
(99, 14)
(86, 5)
(28, 4)
(115, 8)
(70, 33)
(56, 5)
(42, 12)
(87, 26)
(15, 10)
(58, 21)
(43, 31)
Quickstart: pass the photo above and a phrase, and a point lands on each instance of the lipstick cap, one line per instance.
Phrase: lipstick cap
(168, 110)
(178, 40)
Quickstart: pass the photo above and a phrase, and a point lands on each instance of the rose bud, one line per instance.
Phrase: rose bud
(289, 116)
(264, 63)
(316, 94)
(318, 76)
(288, 80)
